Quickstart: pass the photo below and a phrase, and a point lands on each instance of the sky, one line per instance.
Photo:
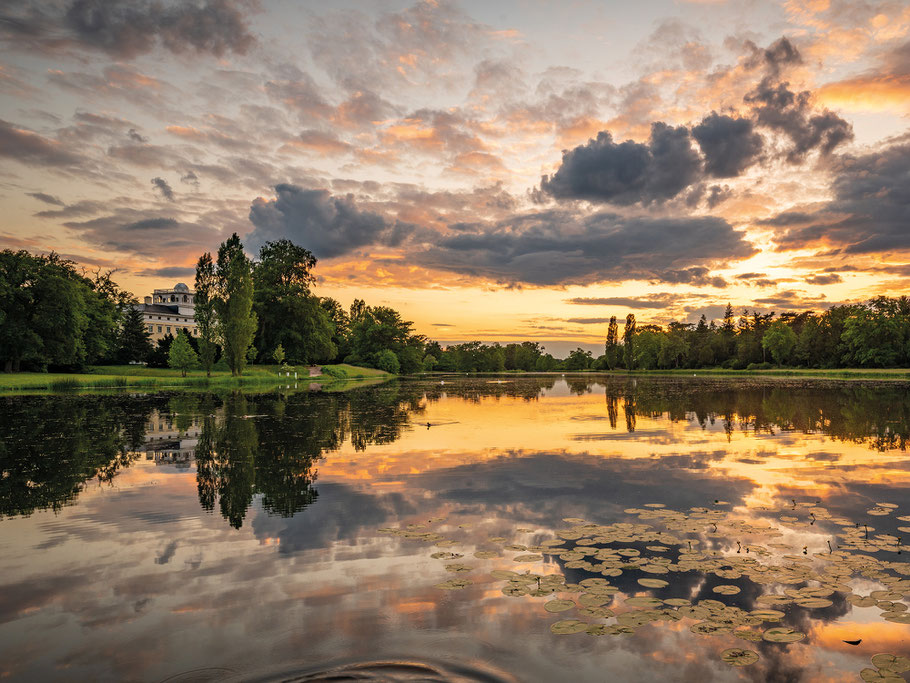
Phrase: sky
(498, 170)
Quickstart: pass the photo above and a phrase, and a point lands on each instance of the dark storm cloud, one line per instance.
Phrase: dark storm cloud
(190, 178)
(627, 172)
(778, 108)
(162, 186)
(33, 149)
(125, 29)
(730, 145)
(560, 248)
(46, 198)
(134, 135)
(84, 207)
(871, 205)
(329, 226)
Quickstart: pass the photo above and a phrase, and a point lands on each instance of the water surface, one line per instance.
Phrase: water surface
(253, 536)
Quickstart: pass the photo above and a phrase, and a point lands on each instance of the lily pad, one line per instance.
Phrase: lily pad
(559, 605)
(737, 657)
(726, 590)
(567, 626)
(653, 583)
(891, 662)
(454, 584)
(782, 634)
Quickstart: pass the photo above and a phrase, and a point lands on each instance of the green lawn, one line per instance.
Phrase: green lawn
(119, 376)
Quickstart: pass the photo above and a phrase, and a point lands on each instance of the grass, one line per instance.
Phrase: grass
(137, 376)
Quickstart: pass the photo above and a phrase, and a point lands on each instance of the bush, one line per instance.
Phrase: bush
(337, 373)
(388, 361)
(759, 366)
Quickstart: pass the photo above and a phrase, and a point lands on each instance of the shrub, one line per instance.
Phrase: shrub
(337, 373)
(387, 360)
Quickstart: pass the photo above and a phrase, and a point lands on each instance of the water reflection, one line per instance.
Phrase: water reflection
(246, 445)
(147, 536)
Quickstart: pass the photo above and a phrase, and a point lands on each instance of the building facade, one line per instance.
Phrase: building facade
(167, 311)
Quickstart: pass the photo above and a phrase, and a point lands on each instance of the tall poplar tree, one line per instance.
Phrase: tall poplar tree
(628, 341)
(206, 295)
(234, 303)
(612, 345)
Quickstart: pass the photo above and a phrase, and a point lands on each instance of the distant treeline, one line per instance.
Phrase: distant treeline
(53, 316)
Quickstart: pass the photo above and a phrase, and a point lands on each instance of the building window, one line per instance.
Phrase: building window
(184, 298)
(168, 329)
(159, 329)
(151, 328)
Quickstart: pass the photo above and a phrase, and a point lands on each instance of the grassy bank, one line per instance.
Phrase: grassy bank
(133, 376)
(891, 374)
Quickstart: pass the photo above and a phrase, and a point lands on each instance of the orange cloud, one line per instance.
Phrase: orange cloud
(888, 93)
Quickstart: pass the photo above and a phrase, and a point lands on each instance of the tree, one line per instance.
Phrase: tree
(779, 340)
(288, 313)
(234, 302)
(133, 342)
(388, 361)
(579, 359)
(628, 341)
(181, 355)
(206, 320)
(611, 347)
(278, 354)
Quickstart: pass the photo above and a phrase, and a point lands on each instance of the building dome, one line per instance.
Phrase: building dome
(180, 287)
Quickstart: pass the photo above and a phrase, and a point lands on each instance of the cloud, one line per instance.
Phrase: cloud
(699, 276)
(168, 272)
(33, 149)
(134, 135)
(778, 108)
(190, 178)
(869, 213)
(326, 225)
(559, 247)
(588, 321)
(730, 145)
(884, 88)
(46, 198)
(659, 300)
(125, 29)
(134, 231)
(829, 279)
(627, 172)
(161, 185)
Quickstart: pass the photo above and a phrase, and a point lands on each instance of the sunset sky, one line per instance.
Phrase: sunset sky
(500, 170)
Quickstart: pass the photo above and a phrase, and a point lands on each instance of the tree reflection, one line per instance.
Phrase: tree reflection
(269, 445)
(51, 446)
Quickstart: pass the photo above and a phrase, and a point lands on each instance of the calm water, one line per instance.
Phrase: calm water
(231, 536)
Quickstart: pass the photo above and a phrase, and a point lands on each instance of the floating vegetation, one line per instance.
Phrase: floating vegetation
(736, 657)
(774, 579)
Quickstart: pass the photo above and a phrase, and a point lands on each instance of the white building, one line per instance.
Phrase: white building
(168, 311)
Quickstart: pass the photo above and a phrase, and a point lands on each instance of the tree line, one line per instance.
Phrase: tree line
(263, 310)
(875, 334)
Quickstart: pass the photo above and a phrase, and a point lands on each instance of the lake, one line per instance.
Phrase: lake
(549, 528)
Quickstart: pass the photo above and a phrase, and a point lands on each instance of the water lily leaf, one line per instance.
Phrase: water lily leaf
(567, 626)
(737, 657)
(531, 557)
(782, 634)
(891, 662)
(559, 605)
(457, 567)
(726, 590)
(653, 583)
(454, 584)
